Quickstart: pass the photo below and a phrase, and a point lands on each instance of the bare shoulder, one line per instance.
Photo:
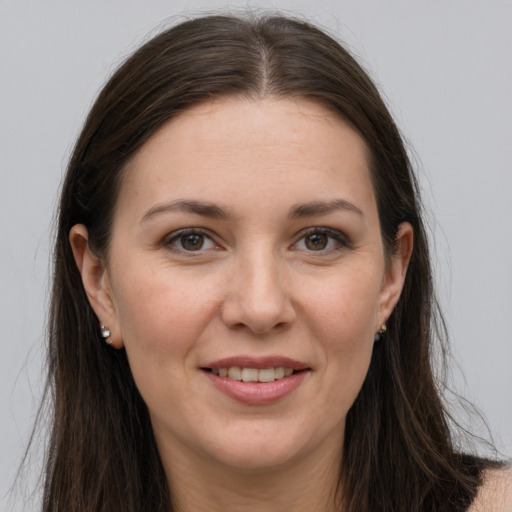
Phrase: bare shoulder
(495, 495)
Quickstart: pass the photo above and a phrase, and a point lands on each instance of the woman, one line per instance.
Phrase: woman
(240, 224)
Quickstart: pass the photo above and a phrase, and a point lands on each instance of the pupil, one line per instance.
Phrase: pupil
(192, 242)
(316, 242)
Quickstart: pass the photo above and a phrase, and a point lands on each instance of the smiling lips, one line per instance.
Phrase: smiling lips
(256, 381)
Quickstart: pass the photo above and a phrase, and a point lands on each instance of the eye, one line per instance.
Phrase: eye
(321, 239)
(190, 240)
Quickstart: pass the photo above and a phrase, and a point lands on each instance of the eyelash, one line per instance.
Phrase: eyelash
(339, 239)
(177, 235)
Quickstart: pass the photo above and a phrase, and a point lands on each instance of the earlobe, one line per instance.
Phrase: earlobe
(397, 270)
(96, 282)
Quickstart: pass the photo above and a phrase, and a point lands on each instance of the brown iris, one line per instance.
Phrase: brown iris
(316, 241)
(192, 241)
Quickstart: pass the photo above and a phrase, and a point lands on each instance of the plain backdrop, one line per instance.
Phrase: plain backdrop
(445, 69)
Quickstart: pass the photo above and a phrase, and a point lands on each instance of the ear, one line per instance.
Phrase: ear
(396, 271)
(96, 282)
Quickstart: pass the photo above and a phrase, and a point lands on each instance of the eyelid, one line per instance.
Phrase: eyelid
(169, 239)
(342, 241)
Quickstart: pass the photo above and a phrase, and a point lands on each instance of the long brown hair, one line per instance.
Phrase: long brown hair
(398, 453)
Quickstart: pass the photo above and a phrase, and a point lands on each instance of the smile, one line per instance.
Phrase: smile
(253, 374)
(256, 381)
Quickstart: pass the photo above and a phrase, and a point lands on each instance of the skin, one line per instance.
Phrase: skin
(495, 494)
(255, 288)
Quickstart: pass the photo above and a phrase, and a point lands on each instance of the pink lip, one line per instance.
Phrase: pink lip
(258, 362)
(257, 393)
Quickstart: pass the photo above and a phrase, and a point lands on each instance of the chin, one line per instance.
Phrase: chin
(257, 457)
(255, 448)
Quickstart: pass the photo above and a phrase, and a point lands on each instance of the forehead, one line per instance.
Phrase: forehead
(240, 151)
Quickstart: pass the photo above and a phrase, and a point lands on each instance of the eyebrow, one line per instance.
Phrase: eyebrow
(315, 208)
(205, 209)
(187, 206)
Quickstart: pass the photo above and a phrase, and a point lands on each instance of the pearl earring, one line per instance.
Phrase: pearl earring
(105, 333)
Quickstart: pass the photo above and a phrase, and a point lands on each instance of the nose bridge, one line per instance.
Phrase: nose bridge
(260, 271)
(259, 297)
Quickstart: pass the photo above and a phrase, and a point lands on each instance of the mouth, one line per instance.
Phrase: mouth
(254, 374)
(256, 381)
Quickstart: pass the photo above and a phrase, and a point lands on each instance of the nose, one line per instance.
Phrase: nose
(258, 296)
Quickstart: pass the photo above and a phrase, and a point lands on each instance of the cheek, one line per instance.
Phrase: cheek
(343, 320)
(162, 318)
(159, 310)
(346, 307)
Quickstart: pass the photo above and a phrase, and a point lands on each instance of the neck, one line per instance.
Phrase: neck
(305, 485)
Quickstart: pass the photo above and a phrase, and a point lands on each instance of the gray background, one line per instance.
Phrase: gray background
(445, 68)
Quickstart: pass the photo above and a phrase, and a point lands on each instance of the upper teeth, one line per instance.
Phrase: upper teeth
(253, 374)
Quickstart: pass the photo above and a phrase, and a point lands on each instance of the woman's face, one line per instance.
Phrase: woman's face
(246, 245)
